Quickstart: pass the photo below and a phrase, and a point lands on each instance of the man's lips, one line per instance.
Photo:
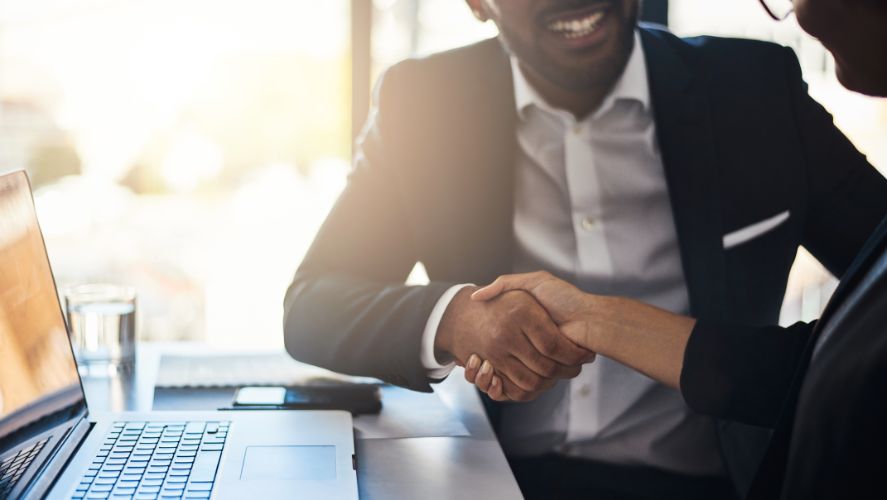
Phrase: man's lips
(570, 10)
(577, 25)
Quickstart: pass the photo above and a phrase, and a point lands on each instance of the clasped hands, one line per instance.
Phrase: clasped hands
(519, 335)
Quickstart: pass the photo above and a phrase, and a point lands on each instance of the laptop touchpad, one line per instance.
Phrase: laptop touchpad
(311, 463)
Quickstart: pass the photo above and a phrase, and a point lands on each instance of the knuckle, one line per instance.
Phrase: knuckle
(549, 371)
(547, 345)
(535, 382)
(579, 356)
(548, 368)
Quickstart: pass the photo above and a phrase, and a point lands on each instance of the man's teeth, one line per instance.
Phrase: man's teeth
(577, 27)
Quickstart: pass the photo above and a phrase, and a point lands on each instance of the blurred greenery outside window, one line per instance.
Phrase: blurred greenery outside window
(193, 147)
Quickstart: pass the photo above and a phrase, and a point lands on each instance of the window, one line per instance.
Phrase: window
(190, 148)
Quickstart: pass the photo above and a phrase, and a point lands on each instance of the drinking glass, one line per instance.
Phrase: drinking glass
(102, 321)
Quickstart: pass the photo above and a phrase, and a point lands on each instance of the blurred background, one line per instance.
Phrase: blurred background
(192, 148)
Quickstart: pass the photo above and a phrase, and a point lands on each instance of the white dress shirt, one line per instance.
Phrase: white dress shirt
(592, 206)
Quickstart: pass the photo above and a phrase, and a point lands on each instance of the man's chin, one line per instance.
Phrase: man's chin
(858, 81)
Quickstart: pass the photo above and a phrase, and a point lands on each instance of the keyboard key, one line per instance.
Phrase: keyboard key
(200, 487)
(205, 466)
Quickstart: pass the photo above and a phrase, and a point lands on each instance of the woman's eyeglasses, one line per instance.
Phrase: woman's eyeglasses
(778, 9)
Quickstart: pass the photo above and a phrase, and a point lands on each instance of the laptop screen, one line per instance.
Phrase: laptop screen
(38, 376)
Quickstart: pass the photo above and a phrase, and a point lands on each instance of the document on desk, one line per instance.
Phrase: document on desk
(409, 414)
(238, 370)
(405, 413)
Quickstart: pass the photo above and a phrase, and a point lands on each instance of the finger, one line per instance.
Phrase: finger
(520, 374)
(484, 377)
(495, 393)
(515, 393)
(506, 283)
(472, 367)
(550, 341)
(521, 348)
(571, 372)
(511, 391)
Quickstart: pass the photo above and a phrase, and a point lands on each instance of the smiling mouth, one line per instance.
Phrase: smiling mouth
(573, 26)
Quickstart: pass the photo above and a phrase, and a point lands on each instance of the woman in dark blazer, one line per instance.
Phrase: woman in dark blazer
(821, 386)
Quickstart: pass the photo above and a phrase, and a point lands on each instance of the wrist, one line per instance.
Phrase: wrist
(450, 324)
(602, 321)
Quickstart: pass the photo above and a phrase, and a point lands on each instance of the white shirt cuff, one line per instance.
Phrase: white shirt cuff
(426, 356)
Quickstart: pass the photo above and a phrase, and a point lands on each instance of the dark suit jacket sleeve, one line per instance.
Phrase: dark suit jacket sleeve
(744, 373)
(347, 309)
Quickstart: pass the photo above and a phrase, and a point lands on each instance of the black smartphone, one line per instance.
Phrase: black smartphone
(359, 399)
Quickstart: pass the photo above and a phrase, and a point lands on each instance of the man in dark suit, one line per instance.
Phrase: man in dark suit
(682, 172)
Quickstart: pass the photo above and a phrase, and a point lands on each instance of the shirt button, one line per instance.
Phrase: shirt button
(588, 223)
(577, 128)
(585, 391)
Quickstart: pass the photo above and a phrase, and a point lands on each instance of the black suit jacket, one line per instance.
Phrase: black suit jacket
(830, 437)
(433, 180)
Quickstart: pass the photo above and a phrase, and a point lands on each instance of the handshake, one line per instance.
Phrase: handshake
(519, 335)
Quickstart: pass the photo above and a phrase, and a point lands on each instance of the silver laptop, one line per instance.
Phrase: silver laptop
(52, 446)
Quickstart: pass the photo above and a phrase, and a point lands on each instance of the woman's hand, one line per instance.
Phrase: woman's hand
(566, 304)
(649, 339)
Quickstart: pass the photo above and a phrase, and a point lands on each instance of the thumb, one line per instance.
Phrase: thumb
(577, 332)
(504, 284)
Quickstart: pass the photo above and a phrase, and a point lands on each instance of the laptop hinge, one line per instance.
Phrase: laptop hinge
(55, 464)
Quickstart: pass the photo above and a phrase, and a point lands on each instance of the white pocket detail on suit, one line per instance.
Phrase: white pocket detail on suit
(755, 230)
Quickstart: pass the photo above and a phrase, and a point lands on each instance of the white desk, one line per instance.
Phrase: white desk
(406, 468)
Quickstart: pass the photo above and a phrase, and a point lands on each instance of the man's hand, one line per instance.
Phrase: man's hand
(646, 338)
(514, 333)
(565, 303)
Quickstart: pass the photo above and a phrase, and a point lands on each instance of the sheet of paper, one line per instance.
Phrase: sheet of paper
(206, 382)
(409, 414)
(237, 370)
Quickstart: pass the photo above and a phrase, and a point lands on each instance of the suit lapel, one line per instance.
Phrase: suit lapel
(683, 124)
(770, 474)
(857, 270)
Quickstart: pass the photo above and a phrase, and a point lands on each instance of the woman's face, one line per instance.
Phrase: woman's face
(855, 32)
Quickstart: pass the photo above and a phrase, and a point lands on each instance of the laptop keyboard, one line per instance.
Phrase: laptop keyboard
(12, 468)
(150, 460)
